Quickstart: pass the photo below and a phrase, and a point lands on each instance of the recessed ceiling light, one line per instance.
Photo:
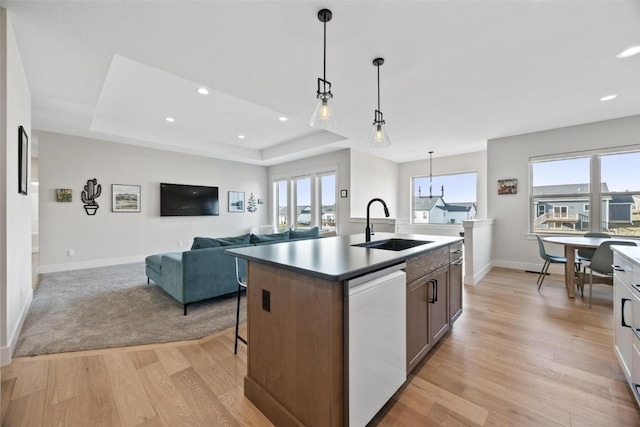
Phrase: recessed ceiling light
(633, 50)
(283, 119)
(170, 119)
(240, 136)
(608, 97)
(203, 91)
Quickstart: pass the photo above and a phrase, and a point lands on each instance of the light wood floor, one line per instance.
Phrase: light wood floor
(515, 357)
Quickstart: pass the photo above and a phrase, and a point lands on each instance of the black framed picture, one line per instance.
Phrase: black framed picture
(343, 193)
(23, 161)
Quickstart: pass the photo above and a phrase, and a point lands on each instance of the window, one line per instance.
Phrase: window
(310, 203)
(448, 199)
(563, 192)
(282, 203)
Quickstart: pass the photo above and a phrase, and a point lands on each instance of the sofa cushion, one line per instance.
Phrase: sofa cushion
(154, 262)
(205, 242)
(311, 233)
(269, 238)
(237, 240)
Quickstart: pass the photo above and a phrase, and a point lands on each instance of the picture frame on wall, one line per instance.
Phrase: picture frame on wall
(508, 186)
(23, 161)
(64, 195)
(236, 201)
(125, 198)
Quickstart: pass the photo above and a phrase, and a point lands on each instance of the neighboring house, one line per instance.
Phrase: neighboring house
(621, 209)
(303, 215)
(572, 212)
(435, 210)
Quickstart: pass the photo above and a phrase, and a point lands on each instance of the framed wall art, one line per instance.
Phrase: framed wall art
(23, 160)
(63, 195)
(125, 198)
(508, 186)
(236, 201)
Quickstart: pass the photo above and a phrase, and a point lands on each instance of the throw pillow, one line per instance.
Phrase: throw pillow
(262, 238)
(304, 234)
(237, 240)
(204, 242)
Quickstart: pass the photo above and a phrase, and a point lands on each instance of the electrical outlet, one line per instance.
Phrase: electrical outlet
(71, 252)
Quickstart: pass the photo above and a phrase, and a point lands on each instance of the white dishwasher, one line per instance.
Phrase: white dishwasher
(376, 327)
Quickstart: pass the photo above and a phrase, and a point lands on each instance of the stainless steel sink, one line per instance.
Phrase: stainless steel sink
(393, 244)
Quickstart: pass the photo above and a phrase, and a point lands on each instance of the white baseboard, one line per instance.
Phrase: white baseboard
(527, 266)
(6, 353)
(473, 280)
(54, 268)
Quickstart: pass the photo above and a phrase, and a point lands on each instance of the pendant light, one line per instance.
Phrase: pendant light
(324, 116)
(379, 136)
(430, 180)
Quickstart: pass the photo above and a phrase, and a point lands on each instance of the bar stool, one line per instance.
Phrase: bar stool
(241, 285)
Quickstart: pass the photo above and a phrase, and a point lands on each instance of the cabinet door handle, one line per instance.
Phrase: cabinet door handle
(458, 251)
(636, 331)
(617, 268)
(636, 287)
(433, 299)
(623, 323)
(636, 389)
(435, 286)
(457, 262)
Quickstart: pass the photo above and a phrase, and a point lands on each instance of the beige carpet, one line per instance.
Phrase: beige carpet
(114, 307)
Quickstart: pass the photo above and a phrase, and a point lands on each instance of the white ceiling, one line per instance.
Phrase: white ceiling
(456, 73)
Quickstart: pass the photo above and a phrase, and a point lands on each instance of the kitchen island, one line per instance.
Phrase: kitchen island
(298, 317)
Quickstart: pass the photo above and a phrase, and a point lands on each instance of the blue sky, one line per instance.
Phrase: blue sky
(619, 171)
(457, 188)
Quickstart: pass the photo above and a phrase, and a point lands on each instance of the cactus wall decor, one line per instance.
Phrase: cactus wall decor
(89, 195)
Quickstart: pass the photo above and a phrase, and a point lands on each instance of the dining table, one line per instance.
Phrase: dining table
(571, 244)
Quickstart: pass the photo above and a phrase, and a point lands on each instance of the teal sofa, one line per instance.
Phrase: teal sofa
(206, 271)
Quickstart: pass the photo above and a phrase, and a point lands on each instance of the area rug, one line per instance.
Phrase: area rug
(114, 307)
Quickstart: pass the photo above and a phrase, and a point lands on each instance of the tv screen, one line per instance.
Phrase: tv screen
(188, 200)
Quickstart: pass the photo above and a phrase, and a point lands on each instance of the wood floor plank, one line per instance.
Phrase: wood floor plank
(516, 357)
(132, 402)
(171, 407)
(197, 394)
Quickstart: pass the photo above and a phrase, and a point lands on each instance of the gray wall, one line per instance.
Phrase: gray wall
(509, 158)
(113, 238)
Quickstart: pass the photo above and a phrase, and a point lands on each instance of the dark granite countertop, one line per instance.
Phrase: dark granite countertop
(333, 258)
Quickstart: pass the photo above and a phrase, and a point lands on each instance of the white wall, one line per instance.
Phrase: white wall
(113, 238)
(373, 177)
(15, 208)
(509, 158)
(337, 159)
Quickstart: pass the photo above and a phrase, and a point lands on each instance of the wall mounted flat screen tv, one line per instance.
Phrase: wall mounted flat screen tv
(188, 200)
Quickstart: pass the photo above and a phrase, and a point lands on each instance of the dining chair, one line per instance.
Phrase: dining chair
(548, 260)
(602, 262)
(242, 284)
(584, 255)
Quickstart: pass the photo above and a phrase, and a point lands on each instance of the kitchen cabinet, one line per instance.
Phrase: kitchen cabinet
(455, 282)
(626, 314)
(429, 314)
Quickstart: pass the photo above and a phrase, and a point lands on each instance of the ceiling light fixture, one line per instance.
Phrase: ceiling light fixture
(283, 119)
(608, 97)
(379, 136)
(203, 91)
(170, 119)
(633, 50)
(430, 181)
(240, 136)
(324, 114)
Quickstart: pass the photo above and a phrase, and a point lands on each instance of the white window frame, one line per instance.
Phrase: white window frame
(436, 192)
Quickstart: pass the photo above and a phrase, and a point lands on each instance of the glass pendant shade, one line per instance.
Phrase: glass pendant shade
(379, 137)
(324, 116)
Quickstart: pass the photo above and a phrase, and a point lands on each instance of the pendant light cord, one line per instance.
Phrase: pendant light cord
(324, 60)
(378, 66)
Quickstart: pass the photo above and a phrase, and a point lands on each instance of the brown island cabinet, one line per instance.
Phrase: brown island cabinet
(297, 359)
